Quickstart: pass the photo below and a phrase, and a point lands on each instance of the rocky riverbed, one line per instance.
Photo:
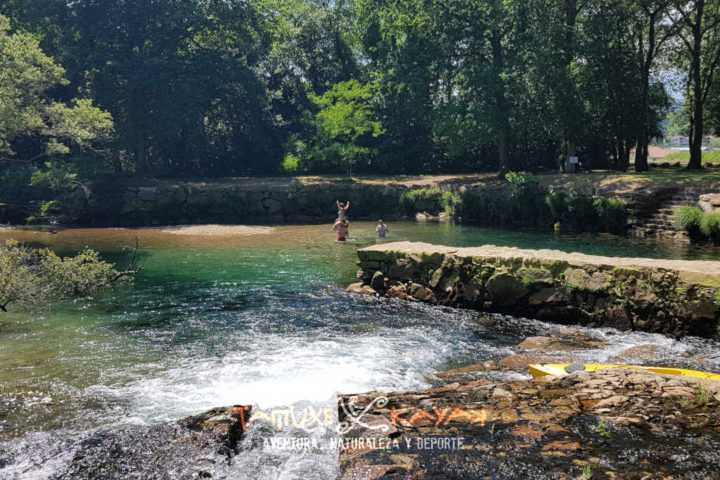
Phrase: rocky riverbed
(475, 423)
(488, 420)
(614, 423)
(610, 424)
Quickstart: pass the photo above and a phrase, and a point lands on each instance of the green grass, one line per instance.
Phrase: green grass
(710, 157)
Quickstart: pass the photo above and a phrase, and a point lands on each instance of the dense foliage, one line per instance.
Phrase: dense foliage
(701, 226)
(525, 203)
(181, 88)
(31, 277)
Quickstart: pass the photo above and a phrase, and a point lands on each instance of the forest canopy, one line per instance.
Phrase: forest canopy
(178, 88)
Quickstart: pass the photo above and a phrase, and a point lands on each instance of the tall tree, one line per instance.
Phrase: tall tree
(700, 51)
(30, 120)
(652, 27)
(480, 37)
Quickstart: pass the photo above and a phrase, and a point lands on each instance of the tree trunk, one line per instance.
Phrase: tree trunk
(504, 127)
(571, 14)
(503, 155)
(696, 134)
(696, 123)
(141, 166)
(641, 153)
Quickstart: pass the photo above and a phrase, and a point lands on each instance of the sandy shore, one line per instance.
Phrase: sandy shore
(217, 230)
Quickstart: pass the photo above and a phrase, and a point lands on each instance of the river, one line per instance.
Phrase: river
(259, 319)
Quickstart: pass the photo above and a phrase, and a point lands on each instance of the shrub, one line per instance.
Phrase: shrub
(431, 200)
(291, 164)
(710, 226)
(527, 203)
(587, 213)
(612, 215)
(34, 277)
(557, 205)
(582, 214)
(523, 184)
(486, 208)
(688, 218)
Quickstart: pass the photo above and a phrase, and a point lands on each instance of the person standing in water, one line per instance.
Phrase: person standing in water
(342, 209)
(341, 227)
(381, 229)
(341, 224)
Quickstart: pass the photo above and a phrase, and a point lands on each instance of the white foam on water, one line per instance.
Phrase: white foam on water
(39, 455)
(276, 370)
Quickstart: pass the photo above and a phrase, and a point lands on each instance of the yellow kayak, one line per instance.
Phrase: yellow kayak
(560, 369)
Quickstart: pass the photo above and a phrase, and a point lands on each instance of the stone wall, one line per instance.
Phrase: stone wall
(667, 296)
(243, 201)
(134, 202)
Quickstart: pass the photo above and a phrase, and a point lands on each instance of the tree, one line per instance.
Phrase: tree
(403, 56)
(652, 27)
(483, 44)
(184, 80)
(344, 126)
(699, 40)
(50, 128)
(30, 277)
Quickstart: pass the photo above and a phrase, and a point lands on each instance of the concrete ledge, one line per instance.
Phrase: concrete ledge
(677, 297)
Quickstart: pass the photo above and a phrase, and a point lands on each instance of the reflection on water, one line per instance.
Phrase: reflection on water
(259, 319)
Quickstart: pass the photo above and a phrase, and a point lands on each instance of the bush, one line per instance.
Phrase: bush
(612, 215)
(291, 164)
(710, 226)
(34, 277)
(688, 218)
(485, 208)
(523, 184)
(557, 205)
(430, 200)
(587, 213)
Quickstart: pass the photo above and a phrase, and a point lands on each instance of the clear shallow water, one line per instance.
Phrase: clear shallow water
(259, 320)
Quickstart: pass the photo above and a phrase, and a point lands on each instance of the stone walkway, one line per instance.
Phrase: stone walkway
(711, 269)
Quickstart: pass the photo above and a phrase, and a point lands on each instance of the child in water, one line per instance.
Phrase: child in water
(381, 229)
(341, 227)
(342, 209)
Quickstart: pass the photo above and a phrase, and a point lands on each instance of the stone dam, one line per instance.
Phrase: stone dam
(674, 297)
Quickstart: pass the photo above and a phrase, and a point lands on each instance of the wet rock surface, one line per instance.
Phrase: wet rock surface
(614, 424)
(673, 297)
(192, 448)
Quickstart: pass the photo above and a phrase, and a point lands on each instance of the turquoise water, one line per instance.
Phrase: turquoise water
(260, 319)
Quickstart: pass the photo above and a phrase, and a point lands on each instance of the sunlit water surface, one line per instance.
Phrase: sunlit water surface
(261, 320)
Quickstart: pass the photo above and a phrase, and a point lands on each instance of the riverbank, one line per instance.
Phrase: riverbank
(655, 295)
(276, 200)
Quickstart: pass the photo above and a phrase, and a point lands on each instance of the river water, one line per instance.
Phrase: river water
(261, 320)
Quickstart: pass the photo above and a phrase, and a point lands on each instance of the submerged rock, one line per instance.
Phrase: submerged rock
(522, 360)
(225, 424)
(194, 447)
(466, 373)
(567, 340)
(642, 353)
(361, 289)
